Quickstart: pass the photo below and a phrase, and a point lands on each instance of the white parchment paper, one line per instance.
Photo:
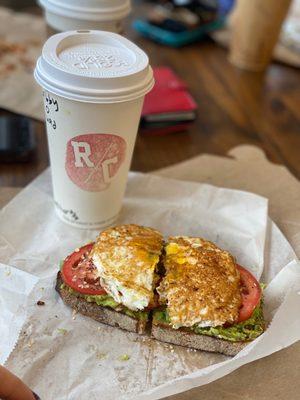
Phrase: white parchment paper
(73, 357)
(15, 288)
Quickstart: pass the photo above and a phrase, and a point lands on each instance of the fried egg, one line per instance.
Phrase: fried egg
(126, 257)
(202, 284)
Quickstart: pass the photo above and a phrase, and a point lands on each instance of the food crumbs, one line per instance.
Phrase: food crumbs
(62, 331)
(74, 314)
(7, 271)
(100, 356)
(124, 357)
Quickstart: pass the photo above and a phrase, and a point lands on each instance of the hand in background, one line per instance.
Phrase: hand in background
(12, 388)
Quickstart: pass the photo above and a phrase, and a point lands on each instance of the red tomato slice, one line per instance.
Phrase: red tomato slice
(251, 294)
(78, 272)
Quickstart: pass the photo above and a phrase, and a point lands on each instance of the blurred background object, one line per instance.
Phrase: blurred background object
(17, 139)
(16, 4)
(179, 22)
(255, 30)
(169, 107)
(290, 32)
(287, 47)
(65, 15)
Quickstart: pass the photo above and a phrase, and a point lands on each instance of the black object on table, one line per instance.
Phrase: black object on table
(17, 139)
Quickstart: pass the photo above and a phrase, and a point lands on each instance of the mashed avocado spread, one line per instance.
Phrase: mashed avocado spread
(246, 330)
(107, 301)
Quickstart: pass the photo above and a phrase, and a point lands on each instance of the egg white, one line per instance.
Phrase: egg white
(132, 298)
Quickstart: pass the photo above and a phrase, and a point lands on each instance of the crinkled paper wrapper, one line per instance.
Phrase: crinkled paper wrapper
(62, 355)
(15, 287)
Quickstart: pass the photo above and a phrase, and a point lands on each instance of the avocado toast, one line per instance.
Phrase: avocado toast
(188, 290)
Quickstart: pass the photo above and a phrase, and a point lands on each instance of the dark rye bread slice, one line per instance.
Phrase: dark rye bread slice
(101, 314)
(190, 339)
(162, 333)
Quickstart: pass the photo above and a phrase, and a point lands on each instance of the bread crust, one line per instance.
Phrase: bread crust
(183, 337)
(101, 314)
(163, 333)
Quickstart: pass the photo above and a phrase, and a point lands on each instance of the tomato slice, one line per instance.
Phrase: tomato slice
(79, 272)
(251, 294)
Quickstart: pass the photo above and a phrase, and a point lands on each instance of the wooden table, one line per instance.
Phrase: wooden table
(234, 108)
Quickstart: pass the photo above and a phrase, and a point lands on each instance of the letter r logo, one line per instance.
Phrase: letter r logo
(94, 159)
(82, 152)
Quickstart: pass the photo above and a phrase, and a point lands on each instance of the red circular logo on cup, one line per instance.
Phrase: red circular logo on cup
(92, 160)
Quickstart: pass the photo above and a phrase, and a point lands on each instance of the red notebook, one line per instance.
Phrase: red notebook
(149, 129)
(169, 100)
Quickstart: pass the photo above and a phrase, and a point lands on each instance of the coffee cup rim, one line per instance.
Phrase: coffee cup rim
(117, 11)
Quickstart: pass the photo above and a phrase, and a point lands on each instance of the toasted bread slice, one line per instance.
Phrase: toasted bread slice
(181, 337)
(101, 314)
(187, 338)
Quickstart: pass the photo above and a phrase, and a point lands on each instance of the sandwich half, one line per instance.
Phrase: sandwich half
(113, 279)
(207, 301)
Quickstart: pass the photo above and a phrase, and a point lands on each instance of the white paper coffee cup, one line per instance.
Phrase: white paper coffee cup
(106, 15)
(94, 85)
